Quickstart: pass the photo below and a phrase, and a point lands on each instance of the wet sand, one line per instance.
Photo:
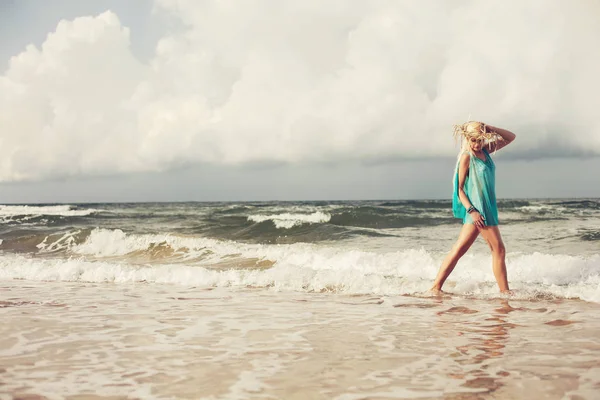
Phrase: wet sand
(110, 341)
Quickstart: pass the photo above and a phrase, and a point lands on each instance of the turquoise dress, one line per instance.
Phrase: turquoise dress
(480, 187)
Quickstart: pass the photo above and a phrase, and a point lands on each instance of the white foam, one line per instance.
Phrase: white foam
(6, 212)
(310, 267)
(288, 220)
(65, 241)
(115, 242)
(542, 208)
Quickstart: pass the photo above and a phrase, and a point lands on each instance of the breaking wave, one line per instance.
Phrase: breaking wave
(287, 220)
(108, 255)
(24, 213)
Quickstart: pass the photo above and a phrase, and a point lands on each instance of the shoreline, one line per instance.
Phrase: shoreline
(96, 340)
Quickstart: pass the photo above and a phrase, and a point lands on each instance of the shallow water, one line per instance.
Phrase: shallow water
(79, 340)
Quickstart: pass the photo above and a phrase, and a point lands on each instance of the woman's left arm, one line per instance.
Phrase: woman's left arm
(506, 135)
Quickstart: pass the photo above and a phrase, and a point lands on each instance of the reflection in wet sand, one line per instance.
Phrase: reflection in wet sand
(485, 340)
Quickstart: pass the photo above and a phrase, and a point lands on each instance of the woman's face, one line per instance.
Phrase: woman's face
(476, 143)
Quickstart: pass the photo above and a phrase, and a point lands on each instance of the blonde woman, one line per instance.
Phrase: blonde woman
(474, 198)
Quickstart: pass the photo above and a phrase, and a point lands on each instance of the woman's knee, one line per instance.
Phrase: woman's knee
(499, 249)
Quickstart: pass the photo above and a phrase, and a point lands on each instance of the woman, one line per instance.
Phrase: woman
(474, 199)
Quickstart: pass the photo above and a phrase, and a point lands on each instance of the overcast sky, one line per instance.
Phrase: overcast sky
(177, 100)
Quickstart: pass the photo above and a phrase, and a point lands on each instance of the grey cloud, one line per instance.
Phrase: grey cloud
(260, 84)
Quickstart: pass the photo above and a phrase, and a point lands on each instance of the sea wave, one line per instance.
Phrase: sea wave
(105, 257)
(542, 208)
(8, 212)
(289, 220)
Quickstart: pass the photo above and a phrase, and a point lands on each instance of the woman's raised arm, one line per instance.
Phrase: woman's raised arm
(506, 135)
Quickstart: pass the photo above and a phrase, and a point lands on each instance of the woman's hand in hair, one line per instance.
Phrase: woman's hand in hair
(503, 139)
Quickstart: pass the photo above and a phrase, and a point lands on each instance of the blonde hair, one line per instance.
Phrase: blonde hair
(475, 129)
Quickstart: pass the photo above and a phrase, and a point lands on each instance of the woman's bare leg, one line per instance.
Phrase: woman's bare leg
(467, 236)
(492, 236)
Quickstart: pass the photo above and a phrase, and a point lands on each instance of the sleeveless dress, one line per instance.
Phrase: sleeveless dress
(480, 187)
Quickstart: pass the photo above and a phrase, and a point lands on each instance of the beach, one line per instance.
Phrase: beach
(147, 341)
(296, 300)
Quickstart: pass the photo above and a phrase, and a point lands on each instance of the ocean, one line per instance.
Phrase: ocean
(307, 299)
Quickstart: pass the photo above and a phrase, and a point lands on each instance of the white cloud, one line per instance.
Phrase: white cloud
(288, 81)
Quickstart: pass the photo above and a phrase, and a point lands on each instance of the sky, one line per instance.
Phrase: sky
(183, 100)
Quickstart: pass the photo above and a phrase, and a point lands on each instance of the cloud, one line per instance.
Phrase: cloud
(269, 82)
